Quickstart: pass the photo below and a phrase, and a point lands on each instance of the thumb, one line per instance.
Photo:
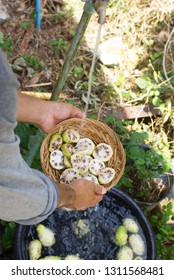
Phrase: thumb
(99, 189)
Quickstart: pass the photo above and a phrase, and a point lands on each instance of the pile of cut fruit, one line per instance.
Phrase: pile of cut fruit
(79, 158)
(131, 241)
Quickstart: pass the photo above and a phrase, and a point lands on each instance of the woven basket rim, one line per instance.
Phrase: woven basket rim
(94, 130)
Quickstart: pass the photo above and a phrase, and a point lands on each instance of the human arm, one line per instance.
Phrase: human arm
(46, 114)
(27, 196)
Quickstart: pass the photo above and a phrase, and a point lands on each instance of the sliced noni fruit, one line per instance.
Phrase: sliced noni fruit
(106, 175)
(70, 135)
(84, 146)
(80, 163)
(55, 142)
(69, 175)
(67, 162)
(96, 166)
(103, 152)
(67, 149)
(89, 158)
(90, 177)
(57, 160)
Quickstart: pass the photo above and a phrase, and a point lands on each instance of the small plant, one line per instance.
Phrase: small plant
(6, 44)
(144, 166)
(33, 61)
(58, 45)
(164, 233)
(24, 25)
(7, 235)
(77, 71)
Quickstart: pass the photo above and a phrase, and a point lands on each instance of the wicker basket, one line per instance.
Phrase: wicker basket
(98, 132)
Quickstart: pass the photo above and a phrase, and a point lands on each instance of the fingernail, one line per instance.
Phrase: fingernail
(103, 190)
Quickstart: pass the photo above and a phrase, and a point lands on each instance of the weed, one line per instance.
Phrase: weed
(33, 61)
(8, 235)
(164, 233)
(110, 119)
(6, 44)
(144, 164)
(58, 45)
(77, 71)
(24, 25)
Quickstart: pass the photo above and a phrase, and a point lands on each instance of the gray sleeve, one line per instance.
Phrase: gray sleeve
(27, 196)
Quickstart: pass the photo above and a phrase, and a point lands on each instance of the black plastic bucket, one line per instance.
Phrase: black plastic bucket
(98, 243)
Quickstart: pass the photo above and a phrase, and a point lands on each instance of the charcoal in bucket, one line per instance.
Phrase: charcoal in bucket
(97, 242)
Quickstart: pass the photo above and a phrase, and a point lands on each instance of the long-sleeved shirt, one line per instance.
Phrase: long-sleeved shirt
(27, 196)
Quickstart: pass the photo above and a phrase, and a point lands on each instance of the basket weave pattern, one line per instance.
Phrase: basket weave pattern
(95, 130)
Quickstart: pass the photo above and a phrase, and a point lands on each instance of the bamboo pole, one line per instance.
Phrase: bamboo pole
(85, 18)
(71, 54)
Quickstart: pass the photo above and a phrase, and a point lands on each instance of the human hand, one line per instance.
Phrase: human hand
(54, 112)
(80, 194)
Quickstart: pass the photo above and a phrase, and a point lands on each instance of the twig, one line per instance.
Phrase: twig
(39, 85)
(100, 111)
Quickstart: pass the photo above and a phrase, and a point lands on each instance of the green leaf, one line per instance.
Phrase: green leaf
(143, 82)
(154, 92)
(7, 239)
(155, 55)
(166, 166)
(169, 207)
(93, 117)
(120, 80)
(78, 70)
(109, 119)
(154, 219)
(140, 161)
(156, 101)
(24, 25)
(71, 101)
(127, 94)
(136, 153)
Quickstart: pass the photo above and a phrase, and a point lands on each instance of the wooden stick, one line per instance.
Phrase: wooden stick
(45, 95)
(39, 95)
(39, 85)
